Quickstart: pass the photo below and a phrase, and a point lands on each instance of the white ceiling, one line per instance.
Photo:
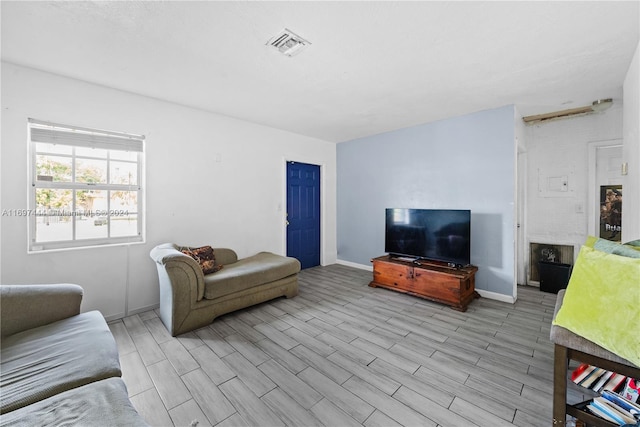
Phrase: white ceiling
(372, 66)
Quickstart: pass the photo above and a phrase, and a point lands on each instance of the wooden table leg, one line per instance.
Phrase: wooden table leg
(560, 367)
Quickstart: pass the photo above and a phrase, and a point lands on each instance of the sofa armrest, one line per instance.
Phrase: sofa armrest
(168, 256)
(182, 272)
(225, 256)
(25, 307)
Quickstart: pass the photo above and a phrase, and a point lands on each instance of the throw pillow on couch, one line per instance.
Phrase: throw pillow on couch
(601, 300)
(205, 257)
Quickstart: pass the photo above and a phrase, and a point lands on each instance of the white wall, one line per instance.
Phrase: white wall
(631, 151)
(191, 199)
(557, 149)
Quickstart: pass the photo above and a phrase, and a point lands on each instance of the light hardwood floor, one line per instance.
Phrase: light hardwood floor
(344, 354)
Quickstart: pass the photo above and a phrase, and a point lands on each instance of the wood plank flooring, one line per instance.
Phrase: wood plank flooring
(344, 354)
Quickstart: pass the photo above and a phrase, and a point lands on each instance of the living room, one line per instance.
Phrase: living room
(121, 278)
(218, 178)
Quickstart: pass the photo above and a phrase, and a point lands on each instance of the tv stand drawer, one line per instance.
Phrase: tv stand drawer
(392, 274)
(437, 285)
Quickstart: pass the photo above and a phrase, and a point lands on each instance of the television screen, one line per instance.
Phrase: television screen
(437, 234)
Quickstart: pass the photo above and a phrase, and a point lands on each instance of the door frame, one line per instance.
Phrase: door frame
(522, 247)
(593, 213)
(282, 206)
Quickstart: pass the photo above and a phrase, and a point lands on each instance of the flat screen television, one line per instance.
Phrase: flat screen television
(432, 234)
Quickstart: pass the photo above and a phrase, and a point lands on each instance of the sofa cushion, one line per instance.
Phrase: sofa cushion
(601, 302)
(258, 269)
(44, 361)
(565, 337)
(103, 403)
(604, 245)
(634, 243)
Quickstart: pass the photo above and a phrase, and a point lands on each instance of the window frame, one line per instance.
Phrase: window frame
(77, 137)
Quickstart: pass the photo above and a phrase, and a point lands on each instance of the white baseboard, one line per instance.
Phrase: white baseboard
(114, 317)
(496, 296)
(118, 316)
(355, 265)
(143, 309)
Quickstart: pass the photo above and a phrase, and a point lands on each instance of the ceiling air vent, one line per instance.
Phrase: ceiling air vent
(288, 43)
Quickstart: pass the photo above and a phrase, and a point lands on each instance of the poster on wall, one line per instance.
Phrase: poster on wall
(611, 212)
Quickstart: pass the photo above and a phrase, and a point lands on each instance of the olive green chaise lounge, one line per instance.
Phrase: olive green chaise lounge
(190, 299)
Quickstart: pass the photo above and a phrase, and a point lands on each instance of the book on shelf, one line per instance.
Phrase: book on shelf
(615, 408)
(596, 411)
(614, 383)
(597, 379)
(620, 415)
(599, 385)
(622, 402)
(581, 373)
(590, 381)
(578, 371)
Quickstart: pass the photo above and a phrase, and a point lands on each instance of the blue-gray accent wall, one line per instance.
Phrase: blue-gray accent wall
(465, 162)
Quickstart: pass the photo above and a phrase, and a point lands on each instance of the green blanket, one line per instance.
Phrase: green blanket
(602, 302)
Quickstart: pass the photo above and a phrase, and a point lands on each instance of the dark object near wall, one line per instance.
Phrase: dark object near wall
(553, 276)
(549, 252)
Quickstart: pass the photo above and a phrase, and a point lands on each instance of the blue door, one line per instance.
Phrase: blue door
(303, 213)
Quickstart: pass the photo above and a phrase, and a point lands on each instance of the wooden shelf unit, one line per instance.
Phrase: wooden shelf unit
(432, 280)
(562, 356)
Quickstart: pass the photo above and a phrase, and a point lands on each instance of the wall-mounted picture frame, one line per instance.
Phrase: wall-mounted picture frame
(611, 212)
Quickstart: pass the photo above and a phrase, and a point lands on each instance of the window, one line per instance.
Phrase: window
(85, 187)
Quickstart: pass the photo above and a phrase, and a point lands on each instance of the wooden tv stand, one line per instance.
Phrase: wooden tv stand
(426, 279)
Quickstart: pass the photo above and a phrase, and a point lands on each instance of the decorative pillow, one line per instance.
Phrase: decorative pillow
(205, 257)
(604, 245)
(635, 244)
(601, 302)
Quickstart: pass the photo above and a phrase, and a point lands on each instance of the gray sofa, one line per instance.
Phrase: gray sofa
(190, 299)
(58, 366)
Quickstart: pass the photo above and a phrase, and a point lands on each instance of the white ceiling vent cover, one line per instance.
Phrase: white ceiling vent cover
(288, 43)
